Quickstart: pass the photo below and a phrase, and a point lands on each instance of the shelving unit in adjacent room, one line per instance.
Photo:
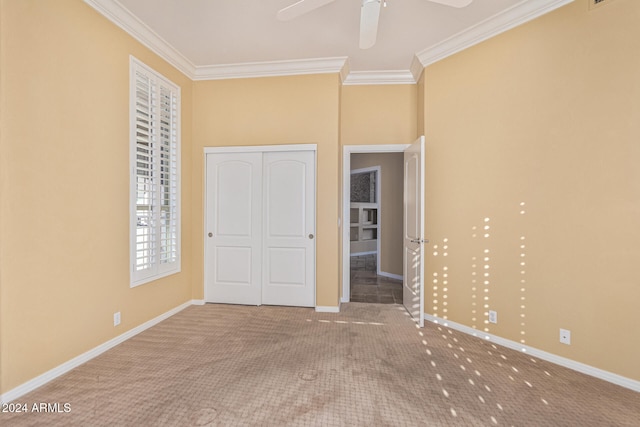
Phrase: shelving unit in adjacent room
(364, 227)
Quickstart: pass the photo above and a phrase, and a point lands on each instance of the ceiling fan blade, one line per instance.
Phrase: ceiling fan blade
(299, 8)
(369, 15)
(453, 3)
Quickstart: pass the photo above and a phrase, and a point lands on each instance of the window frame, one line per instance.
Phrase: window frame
(157, 268)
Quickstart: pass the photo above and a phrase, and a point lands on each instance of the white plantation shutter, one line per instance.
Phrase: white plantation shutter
(155, 199)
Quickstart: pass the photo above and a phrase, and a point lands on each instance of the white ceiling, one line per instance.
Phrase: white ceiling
(226, 34)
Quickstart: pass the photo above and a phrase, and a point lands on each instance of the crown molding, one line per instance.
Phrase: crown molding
(271, 68)
(399, 77)
(516, 15)
(123, 18)
(416, 68)
(522, 12)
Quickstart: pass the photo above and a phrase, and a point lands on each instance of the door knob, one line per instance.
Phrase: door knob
(311, 236)
(210, 234)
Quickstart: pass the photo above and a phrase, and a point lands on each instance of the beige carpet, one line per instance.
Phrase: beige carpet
(220, 365)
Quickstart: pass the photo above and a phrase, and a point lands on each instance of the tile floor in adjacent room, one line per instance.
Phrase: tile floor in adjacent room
(368, 286)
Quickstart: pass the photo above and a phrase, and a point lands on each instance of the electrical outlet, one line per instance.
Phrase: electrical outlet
(565, 336)
(116, 318)
(493, 316)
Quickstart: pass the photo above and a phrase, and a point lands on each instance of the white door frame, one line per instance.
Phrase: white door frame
(347, 150)
(252, 149)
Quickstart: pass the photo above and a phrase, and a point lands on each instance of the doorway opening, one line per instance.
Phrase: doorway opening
(372, 239)
(376, 228)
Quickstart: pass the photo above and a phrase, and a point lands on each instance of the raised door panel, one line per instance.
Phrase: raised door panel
(233, 228)
(289, 224)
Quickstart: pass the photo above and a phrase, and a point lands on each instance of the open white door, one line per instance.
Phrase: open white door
(413, 283)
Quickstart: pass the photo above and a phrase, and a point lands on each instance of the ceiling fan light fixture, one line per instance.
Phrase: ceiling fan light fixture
(300, 8)
(453, 3)
(369, 16)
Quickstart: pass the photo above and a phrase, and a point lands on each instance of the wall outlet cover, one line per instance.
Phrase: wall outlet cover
(565, 336)
(493, 316)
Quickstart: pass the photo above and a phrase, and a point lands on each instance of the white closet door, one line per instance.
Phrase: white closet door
(289, 228)
(234, 228)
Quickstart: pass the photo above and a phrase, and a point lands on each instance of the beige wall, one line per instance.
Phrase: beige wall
(538, 130)
(64, 207)
(267, 111)
(385, 114)
(391, 172)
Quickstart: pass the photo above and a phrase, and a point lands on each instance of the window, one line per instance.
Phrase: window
(155, 175)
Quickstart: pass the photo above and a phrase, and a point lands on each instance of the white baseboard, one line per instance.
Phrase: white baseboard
(198, 302)
(41, 380)
(390, 275)
(327, 309)
(549, 357)
(363, 253)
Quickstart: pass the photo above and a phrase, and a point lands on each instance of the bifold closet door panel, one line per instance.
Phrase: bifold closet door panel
(289, 228)
(233, 265)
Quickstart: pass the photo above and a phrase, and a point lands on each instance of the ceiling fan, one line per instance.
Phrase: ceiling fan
(369, 14)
